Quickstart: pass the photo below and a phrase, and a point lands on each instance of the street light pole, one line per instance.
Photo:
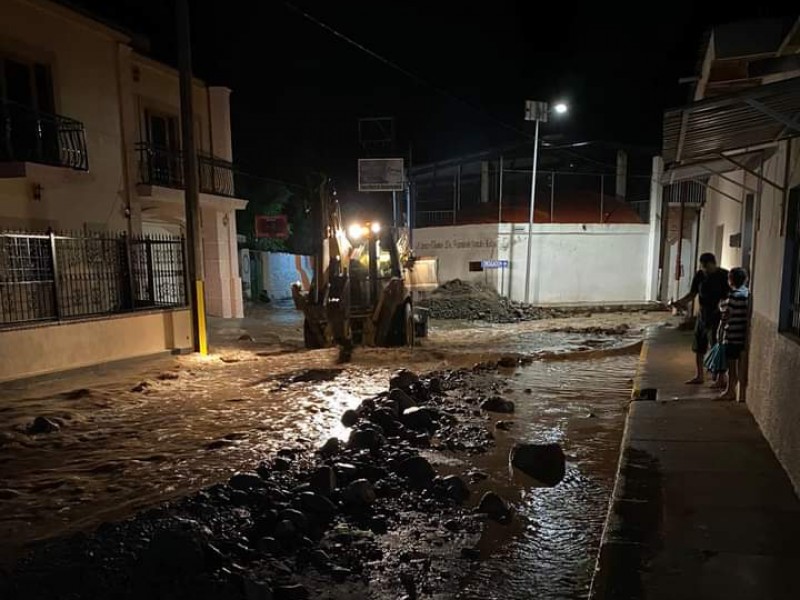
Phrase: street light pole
(532, 207)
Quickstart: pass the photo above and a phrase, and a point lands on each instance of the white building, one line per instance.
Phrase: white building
(91, 140)
(737, 141)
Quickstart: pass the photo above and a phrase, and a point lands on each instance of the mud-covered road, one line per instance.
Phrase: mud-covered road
(159, 430)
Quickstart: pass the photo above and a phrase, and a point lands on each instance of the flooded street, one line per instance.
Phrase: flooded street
(548, 550)
(159, 430)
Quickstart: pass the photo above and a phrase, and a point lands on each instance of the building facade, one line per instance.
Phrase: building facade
(738, 141)
(91, 140)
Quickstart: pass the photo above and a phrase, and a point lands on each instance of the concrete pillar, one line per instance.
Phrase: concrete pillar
(654, 246)
(220, 114)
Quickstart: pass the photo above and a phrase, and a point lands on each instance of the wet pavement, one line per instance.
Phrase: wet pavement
(135, 437)
(702, 509)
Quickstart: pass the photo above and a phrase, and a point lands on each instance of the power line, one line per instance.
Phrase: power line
(406, 72)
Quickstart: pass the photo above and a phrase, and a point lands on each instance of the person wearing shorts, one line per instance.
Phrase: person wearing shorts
(710, 287)
(734, 315)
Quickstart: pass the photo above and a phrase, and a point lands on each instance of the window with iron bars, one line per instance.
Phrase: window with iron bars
(790, 304)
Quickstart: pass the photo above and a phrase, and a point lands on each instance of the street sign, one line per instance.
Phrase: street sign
(272, 226)
(536, 111)
(381, 175)
(494, 264)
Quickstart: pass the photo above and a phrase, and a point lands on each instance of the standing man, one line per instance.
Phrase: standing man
(710, 285)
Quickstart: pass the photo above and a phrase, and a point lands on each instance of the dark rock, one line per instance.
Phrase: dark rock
(470, 553)
(263, 470)
(404, 401)
(279, 463)
(78, 394)
(317, 504)
(494, 506)
(174, 554)
(285, 532)
(435, 385)
(246, 482)
(417, 418)
(268, 545)
(346, 471)
(417, 470)
(349, 418)
(340, 574)
(331, 447)
(359, 493)
(403, 379)
(256, 590)
(9, 494)
(43, 425)
(246, 337)
(323, 480)
(456, 488)
(384, 418)
(498, 404)
(379, 524)
(504, 425)
(528, 390)
(544, 462)
(365, 438)
(140, 387)
(320, 559)
(264, 524)
(508, 362)
(297, 518)
(293, 591)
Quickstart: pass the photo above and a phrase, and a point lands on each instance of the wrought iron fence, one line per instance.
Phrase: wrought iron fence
(164, 167)
(32, 135)
(51, 277)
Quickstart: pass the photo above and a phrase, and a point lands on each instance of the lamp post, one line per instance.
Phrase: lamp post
(537, 112)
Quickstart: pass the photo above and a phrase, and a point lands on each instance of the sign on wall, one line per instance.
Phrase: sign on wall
(274, 227)
(380, 174)
(494, 264)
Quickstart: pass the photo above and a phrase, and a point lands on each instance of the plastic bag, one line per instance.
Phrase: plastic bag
(716, 361)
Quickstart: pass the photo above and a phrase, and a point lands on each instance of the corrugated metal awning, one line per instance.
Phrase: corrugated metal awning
(714, 166)
(708, 128)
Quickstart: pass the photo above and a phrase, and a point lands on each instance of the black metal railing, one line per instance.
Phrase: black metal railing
(164, 167)
(52, 277)
(29, 135)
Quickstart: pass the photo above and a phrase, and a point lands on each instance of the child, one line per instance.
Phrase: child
(733, 327)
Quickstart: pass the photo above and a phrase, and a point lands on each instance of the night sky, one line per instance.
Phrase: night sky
(298, 91)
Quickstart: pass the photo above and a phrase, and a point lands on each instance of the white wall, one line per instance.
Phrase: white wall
(571, 263)
(280, 270)
(773, 387)
(723, 215)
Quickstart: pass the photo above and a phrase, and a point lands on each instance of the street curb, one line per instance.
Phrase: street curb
(613, 552)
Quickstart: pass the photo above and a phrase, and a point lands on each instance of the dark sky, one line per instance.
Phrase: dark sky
(298, 90)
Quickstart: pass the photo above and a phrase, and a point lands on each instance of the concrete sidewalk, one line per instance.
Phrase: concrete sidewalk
(701, 508)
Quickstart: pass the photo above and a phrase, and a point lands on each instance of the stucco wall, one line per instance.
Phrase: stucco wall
(83, 59)
(723, 216)
(51, 348)
(571, 263)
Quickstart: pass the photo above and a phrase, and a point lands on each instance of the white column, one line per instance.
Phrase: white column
(220, 111)
(656, 189)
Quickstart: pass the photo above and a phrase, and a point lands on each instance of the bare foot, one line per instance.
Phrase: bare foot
(717, 385)
(695, 381)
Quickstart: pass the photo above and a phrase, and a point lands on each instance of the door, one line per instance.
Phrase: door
(747, 232)
(28, 126)
(164, 150)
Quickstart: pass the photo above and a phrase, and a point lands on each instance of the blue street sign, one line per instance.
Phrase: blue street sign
(494, 264)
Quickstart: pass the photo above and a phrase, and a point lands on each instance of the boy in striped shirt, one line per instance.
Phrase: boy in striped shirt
(735, 310)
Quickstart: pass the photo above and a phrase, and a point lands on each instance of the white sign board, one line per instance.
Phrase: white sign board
(381, 175)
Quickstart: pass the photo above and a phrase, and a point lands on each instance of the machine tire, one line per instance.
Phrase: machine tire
(308, 337)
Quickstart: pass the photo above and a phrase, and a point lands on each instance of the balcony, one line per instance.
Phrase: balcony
(164, 167)
(30, 135)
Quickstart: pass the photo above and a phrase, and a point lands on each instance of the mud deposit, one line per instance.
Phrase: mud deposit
(364, 519)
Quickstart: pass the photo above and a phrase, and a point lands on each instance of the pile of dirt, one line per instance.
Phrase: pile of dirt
(469, 301)
(457, 299)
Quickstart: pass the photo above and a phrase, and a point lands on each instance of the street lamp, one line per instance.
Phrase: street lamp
(537, 112)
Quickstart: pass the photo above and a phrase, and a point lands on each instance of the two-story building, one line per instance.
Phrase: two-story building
(737, 144)
(92, 258)
(90, 140)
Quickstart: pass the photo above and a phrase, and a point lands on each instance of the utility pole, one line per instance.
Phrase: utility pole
(194, 236)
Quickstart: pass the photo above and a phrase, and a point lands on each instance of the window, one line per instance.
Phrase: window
(790, 301)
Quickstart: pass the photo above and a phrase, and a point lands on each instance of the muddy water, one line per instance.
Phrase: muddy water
(121, 448)
(548, 551)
